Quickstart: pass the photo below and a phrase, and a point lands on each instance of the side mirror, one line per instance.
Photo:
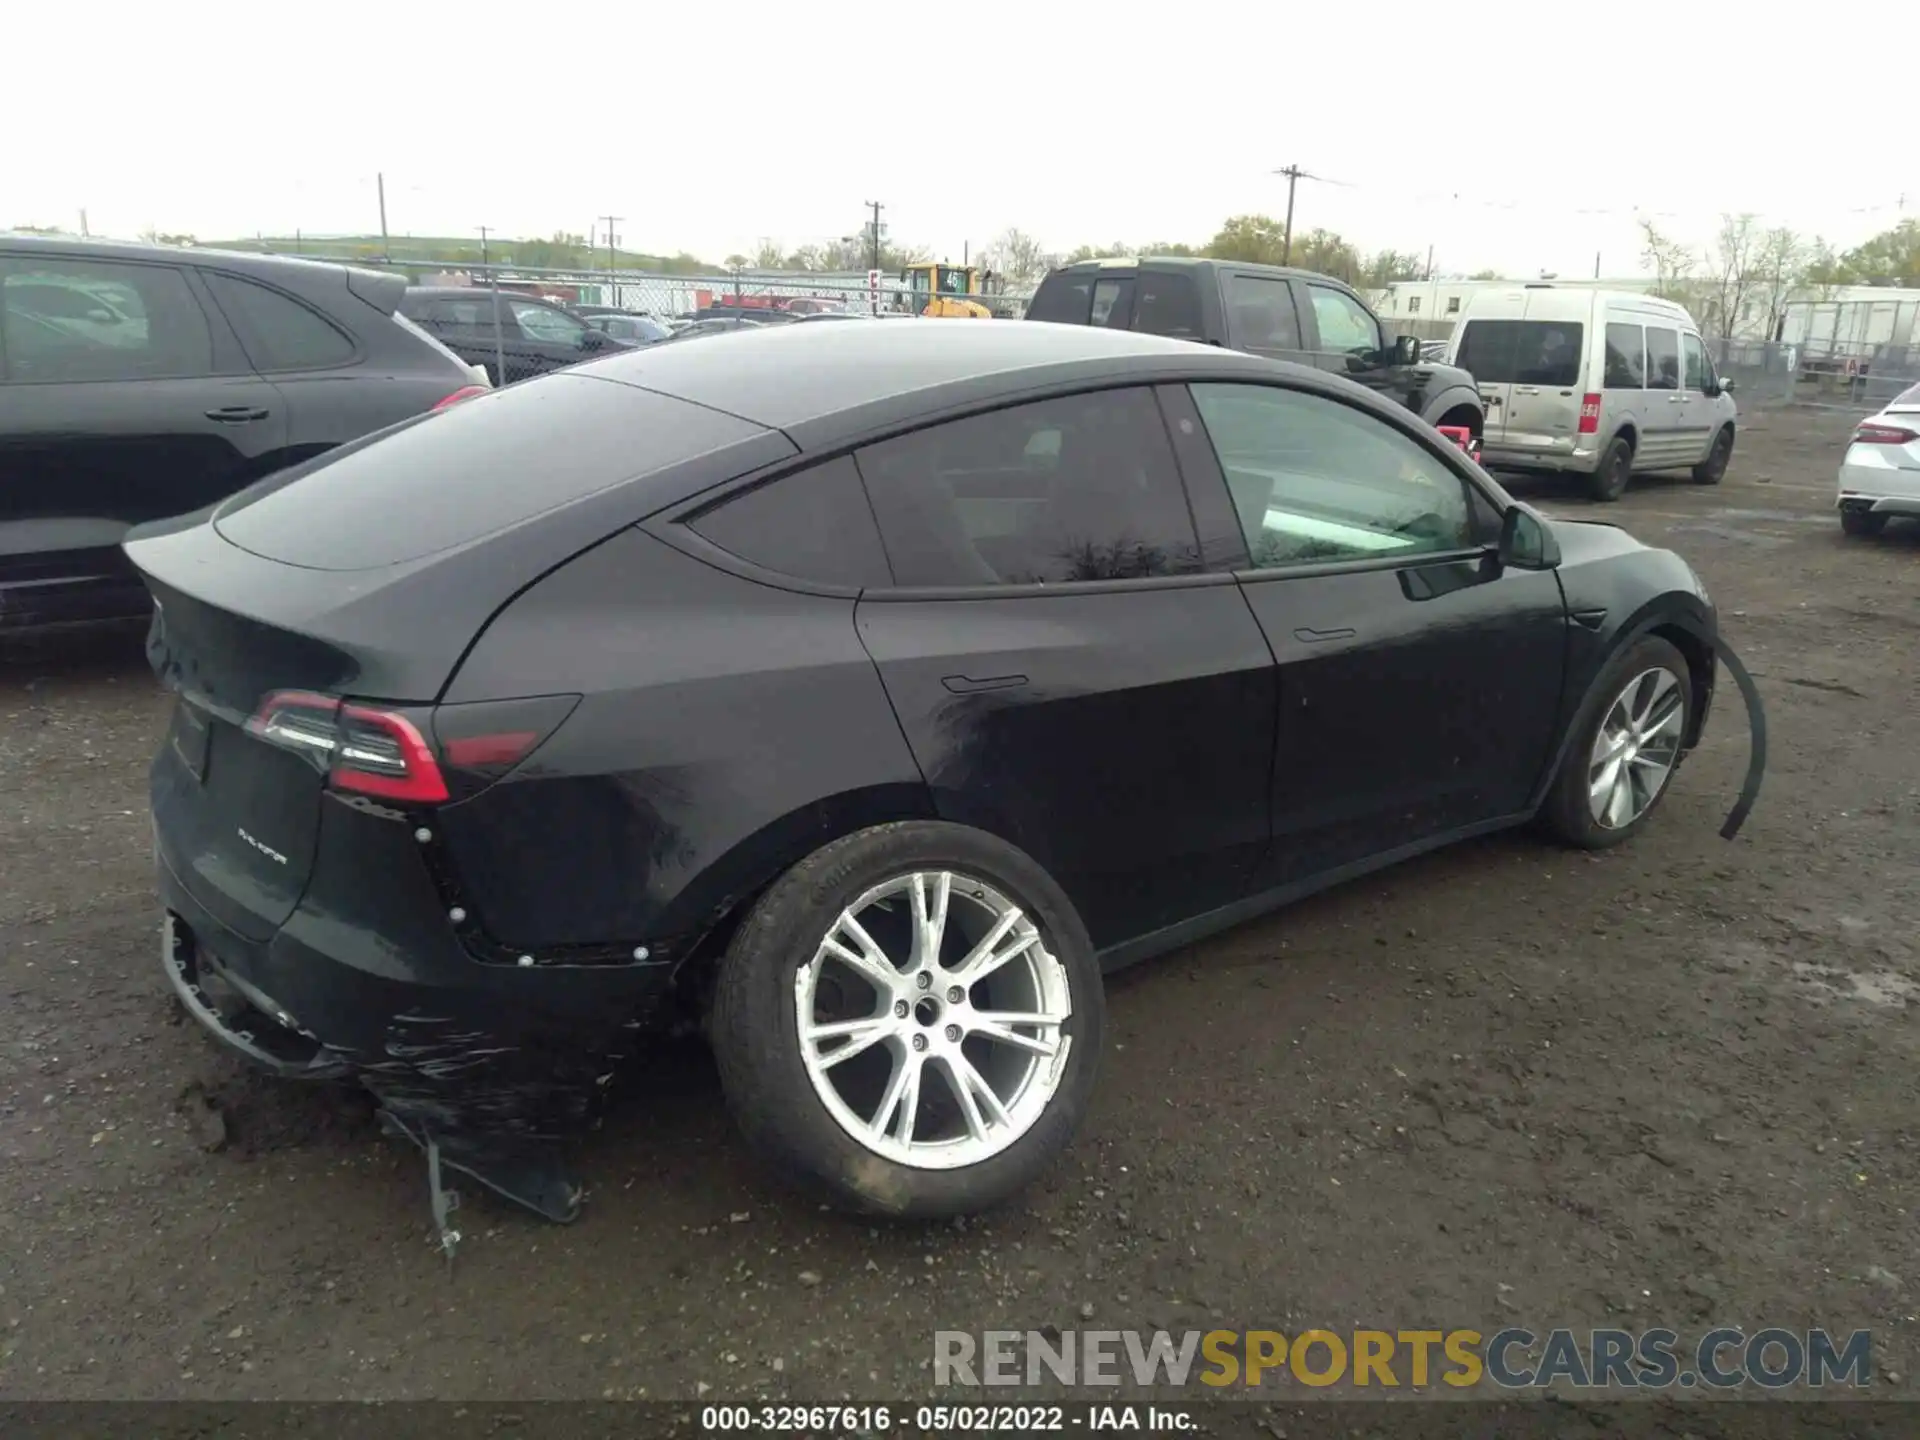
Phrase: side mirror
(591, 339)
(1406, 350)
(1726, 386)
(1527, 541)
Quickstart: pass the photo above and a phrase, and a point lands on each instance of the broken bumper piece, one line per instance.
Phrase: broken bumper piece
(487, 1070)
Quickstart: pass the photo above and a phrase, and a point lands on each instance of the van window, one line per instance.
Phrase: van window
(1663, 358)
(1694, 354)
(1523, 352)
(1626, 357)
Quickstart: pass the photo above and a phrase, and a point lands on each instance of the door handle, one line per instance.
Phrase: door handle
(1676, 399)
(1526, 389)
(967, 685)
(237, 414)
(1316, 637)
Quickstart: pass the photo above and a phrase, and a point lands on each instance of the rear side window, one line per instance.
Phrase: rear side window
(815, 525)
(279, 332)
(80, 320)
(1065, 299)
(1167, 302)
(1663, 358)
(454, 477)
(1078, 488)
(1260, 312)
(1523, 352)
(1626, 357)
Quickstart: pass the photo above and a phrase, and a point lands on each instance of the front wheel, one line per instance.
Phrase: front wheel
(909, 1021)
(1626, 746)
(1713, 469)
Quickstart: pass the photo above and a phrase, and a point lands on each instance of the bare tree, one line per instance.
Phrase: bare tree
(1782, 270)
(1675, 267)
(1017, 258)
(1736, 267)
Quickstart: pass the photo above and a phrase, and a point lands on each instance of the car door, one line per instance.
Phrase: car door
(133, 405)
(548, 337)
(1664, 419)
(1624, 395)
(1066, 672)
(1419, 682)
(1262, 316)
(1698, 411)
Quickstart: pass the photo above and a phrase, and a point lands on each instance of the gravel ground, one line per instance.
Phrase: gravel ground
(1672, 1084)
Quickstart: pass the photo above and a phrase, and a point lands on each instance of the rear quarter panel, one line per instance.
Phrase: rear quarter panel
(727, 730)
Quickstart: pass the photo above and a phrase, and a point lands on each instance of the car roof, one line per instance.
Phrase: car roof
(830, 384)
(1189, 262)
(243, 261)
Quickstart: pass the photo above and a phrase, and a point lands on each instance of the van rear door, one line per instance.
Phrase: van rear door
(1543, 405)
(1483, 346)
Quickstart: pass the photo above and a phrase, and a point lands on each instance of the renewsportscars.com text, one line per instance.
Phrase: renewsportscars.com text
(1509, 1359)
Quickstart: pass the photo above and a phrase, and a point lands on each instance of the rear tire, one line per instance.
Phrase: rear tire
(1634, 701)
(1862, 522)
(1713, 469)
(1609, 481)
(894, 1125)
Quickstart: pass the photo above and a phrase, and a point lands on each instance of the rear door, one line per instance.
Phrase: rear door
(123, 401)
(1544, 397)
(1262, 316)
(1067, 674)
(1485, 347)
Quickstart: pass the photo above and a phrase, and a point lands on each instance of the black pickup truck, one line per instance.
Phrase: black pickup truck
(1265, 310)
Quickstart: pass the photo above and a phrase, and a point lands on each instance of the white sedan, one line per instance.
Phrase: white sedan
(1880, 475)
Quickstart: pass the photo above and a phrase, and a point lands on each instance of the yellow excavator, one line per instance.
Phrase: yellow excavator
(941, 291)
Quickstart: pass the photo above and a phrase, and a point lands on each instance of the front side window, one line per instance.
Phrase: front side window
(1079, 488)
(814, 525)
(1261, 313)
(1693, 357)
(86, 320)
(543, 322)
(1345, 325)
(1314, 480)
(1626, 357)
(1663, 358)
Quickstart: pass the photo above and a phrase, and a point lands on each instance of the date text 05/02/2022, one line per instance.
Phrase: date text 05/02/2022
(943, 1419)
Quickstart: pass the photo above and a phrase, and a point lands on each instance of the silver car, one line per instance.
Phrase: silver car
(1880, 475)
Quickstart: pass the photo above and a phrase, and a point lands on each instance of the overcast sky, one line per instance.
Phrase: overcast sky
(1528, 147)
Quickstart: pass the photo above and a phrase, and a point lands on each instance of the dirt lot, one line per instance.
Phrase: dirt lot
(1674, 1084)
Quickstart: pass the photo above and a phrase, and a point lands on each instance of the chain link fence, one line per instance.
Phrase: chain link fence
(1842, 376)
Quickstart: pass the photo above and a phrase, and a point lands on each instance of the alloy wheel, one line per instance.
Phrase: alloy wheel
(1636, 748)
(932, 1020)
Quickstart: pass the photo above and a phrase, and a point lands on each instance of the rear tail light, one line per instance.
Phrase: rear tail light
(371, 750)
(465, 392)
(362, 748)
(1874, 433)
(1589, 414)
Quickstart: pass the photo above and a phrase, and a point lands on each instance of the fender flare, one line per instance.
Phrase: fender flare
(1649, 619)
(1449, 398)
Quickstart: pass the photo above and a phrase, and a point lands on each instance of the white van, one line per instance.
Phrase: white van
(1603, 383)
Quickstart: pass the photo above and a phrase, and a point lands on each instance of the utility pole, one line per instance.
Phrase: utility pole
(1596, 264)
(613, 286)
(1293, 174)
(876, 207)
(483, 247)
(386, 250)
(1429, 264)
(83, 223)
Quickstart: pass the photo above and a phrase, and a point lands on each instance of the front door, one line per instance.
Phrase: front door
(1069, 677)
(1419, 683)
(1697, 415)
(121, 402)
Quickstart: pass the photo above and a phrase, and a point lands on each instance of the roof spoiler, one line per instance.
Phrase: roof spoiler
(379, 288)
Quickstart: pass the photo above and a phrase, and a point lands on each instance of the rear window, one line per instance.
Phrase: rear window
(1907, 399)
(1522, 352)
(1065, 299)
(448, 479)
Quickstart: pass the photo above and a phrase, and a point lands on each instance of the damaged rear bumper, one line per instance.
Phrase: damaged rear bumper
(494, 1065)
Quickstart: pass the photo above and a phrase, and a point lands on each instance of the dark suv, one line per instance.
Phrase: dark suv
(142, 381)
(1266, 310)
(512, 337)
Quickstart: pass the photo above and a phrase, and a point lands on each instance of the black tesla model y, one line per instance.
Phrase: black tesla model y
(862, 692)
